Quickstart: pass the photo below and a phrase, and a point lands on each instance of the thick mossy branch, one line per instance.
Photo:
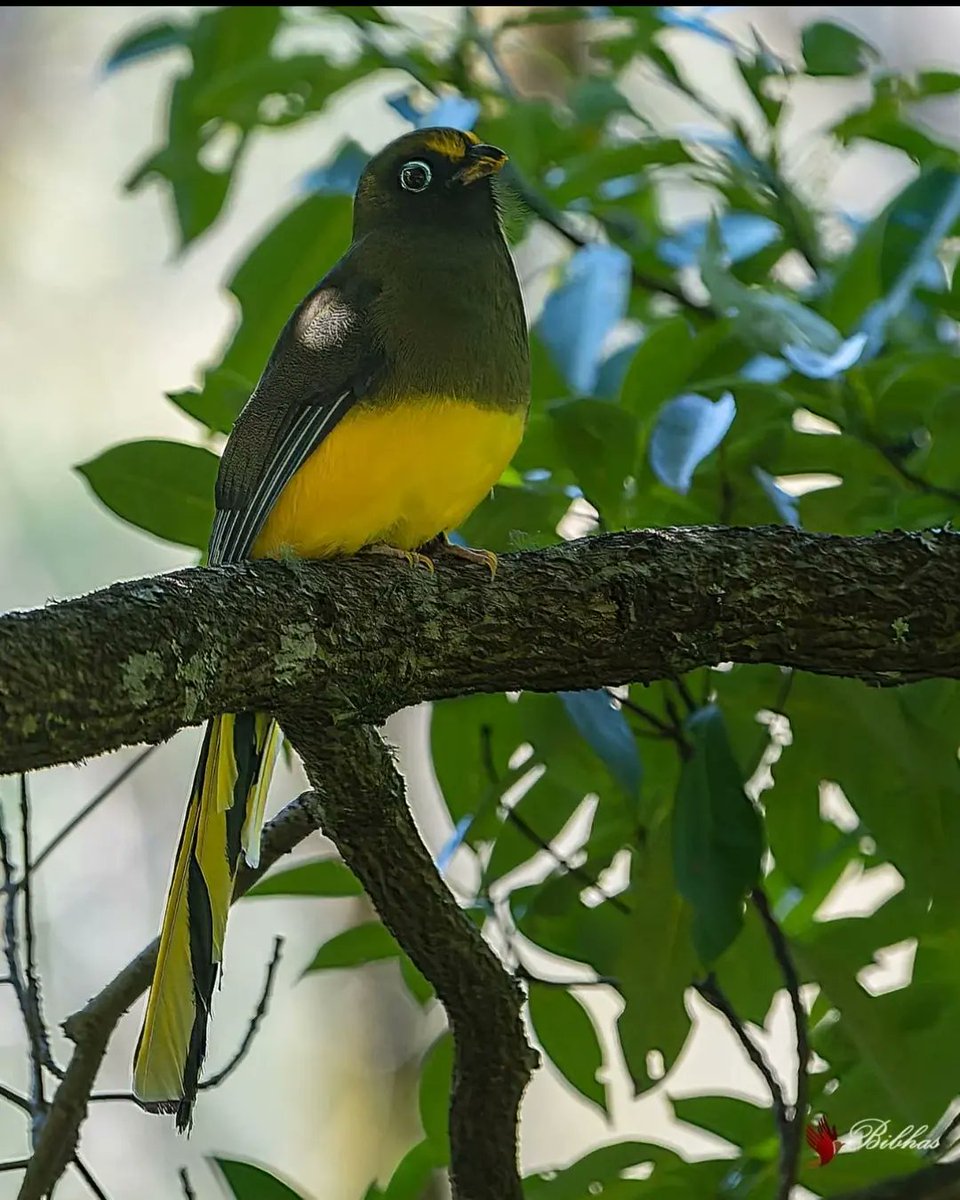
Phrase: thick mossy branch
(363, 809)
(359, 639)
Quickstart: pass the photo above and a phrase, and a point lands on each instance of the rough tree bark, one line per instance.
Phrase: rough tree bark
(358, 640)
(332, 648)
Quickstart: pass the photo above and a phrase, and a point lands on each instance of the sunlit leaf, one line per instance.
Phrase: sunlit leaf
(323, 877)
(249, 1182)
(567, 1035)
(163, 487)
(687, 430)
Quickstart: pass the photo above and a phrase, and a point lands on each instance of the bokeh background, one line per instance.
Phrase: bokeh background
(99, 316)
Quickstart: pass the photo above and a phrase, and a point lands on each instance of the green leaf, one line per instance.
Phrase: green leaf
(717, 836)
(283, 267)
(322, 877)
(248, 1182)
(163, 487)
(420, 988)
(568, 1037)
(654, 961)
(435, 1082)
(412, 1175)
(830, 49)
(365, 943)
(598, 441)
(600, 1167)
(733, 1118)
(144, 42)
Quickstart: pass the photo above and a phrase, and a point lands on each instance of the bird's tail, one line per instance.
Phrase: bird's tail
(222, 824)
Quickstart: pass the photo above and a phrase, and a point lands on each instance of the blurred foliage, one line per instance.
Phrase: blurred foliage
(678, 370)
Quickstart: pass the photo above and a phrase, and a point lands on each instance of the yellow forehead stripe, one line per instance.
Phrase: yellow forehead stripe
(450, 145)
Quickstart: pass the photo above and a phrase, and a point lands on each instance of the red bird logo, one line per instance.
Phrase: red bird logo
(822, 1139)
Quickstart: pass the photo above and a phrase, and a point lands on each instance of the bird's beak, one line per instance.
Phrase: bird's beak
(479, 162)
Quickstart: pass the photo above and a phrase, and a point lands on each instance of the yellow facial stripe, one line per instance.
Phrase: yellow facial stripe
(450, 145)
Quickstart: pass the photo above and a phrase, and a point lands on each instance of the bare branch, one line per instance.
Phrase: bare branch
(87, 1176)
(792, 1140)
(364, 811)
(941, 1182)
(14, 1098)
(360, 639)
(105, 792)
(715, 996)
(186, 1185)
(255, 1021)
(92, 1026)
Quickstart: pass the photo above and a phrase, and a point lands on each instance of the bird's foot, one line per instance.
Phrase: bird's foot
(413, 558)
(485, 558)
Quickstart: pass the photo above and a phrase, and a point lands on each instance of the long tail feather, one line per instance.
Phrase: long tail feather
(222, 824)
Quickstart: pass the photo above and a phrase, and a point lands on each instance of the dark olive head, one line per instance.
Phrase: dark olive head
(427, 179)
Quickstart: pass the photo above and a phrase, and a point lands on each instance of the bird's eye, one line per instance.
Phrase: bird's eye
(415, 176)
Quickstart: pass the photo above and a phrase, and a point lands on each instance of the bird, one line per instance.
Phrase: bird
(393, 400)
(822, 1139)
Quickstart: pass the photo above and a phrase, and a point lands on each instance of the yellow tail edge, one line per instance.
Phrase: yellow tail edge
(221, 826)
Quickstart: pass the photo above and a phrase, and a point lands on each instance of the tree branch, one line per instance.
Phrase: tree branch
(92, 1026)
(364, 811)
(359, 639)
(941, 1182)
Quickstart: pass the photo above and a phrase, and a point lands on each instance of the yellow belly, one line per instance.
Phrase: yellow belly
(399, 475)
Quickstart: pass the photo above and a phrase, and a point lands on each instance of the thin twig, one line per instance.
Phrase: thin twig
(511, 815)
(714, 995)
(792, 1140)
(15, 1164)
(92, 1026)
(944, 1143)
(85, 1174)
(521, 972)
(685, 695)
(911, 477)
(106, 791)
(34, 1013)
(186, 1185)
(259, 1014)
(14, 1098)
(11, 950)
(651, 718)
(563, 863)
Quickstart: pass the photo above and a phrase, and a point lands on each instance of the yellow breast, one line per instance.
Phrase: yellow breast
(399, 475)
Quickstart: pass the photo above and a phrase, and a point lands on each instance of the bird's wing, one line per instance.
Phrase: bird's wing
(324, 360)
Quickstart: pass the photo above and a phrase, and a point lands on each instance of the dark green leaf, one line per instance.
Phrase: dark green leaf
(830, 49)
(144, 42)
(248, 1182)
(323, 877)
(739, 1121)
(602, 724)
(163, 487)
(435, 1078)
(361, 944)
(419, 988)
(412, 1176)
(598, 441)
(654, 961)
(284, 266)
(604, 1166)
(717, 837)
(569, 1039)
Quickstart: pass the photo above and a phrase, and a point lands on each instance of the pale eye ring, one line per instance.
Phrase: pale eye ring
(415, 176)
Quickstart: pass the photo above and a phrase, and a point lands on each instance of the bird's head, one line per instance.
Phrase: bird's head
(430, 178)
